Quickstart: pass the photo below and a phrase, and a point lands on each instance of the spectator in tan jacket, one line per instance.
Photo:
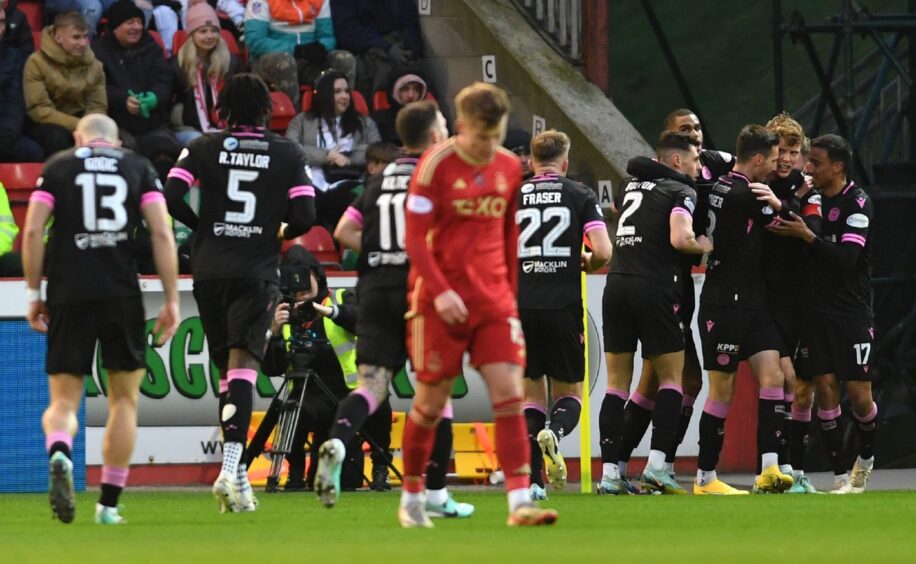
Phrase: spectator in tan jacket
(62, 82)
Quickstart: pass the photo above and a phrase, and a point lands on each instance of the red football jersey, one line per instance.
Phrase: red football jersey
(461, 230)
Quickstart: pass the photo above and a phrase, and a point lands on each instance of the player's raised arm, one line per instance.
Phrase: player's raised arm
(153, 207)
(301, 215)
(180, 180)
(41, 206)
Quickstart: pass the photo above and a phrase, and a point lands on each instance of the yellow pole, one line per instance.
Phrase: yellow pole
(585, 429)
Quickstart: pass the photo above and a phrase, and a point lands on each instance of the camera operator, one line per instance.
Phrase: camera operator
(312, 329)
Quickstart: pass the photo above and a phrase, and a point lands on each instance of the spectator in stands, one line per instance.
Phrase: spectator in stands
(14, 146)
(292, 41)
(10, 261)
(91, 10)
(16, 31)
(233, 8)
(384, 35)
(139, 84)
(406, 87)
(334, 136)
(62, 82)
(519, 142)
(200, 67)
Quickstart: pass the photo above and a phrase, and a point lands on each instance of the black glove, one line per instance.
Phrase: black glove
(312, 53)
(399, 54)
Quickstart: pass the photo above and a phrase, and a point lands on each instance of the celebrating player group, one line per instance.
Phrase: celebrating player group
(462, 254)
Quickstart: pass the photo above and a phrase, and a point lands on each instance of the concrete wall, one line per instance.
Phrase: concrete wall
(460, 34)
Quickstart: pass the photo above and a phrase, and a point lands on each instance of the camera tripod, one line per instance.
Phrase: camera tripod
(283, 414)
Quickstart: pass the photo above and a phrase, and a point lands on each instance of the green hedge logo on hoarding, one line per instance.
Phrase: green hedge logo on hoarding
(191, 379)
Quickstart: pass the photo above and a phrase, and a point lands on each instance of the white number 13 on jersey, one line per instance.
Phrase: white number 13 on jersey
(114, 202)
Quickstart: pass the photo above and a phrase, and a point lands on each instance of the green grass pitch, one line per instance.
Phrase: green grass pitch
(181, 527)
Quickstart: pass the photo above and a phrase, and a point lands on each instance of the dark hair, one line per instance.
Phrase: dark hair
(244, 100)
(382, 152)
(413, 122)
(674, 114)
(675, 141)
(754, 140)
(838, 149)
(323, 104)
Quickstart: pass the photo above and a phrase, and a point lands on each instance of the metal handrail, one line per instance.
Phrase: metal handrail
(558, 21)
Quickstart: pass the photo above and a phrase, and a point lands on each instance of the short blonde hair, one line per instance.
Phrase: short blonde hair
(787, 129)
(549, 146)
(483, 104)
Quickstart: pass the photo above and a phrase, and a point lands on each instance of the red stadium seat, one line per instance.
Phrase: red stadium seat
(19, 180)
(36, 40)
(158, 39)
(178, 40)
(359, 102)
(283, 111)
(380, 100)
(34, 13)
(306, 93)
(320, 243)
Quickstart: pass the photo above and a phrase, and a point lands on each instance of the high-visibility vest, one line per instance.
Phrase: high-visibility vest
(343, 341)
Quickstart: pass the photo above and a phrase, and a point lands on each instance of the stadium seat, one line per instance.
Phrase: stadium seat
(158, 39)
(283, 111)
(19, 180)
(306, 93)
(34, 13)
(359, 102)
(320, 243)
(380, 100)
(178, 40)
(36, 40)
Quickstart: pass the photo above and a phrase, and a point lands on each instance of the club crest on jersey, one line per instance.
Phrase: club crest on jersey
(230, 143)
(501, 184)
(833, 214)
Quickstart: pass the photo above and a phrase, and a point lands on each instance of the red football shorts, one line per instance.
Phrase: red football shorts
(436, 349)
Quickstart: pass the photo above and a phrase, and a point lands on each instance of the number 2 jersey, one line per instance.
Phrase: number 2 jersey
(380, 210)
(554, 213)
(250, 181)
(96, 194)
(642, 243)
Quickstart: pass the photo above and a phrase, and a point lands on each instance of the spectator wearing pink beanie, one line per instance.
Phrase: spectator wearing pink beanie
(201, 66)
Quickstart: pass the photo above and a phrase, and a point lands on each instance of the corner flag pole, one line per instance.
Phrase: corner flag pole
(585, 428)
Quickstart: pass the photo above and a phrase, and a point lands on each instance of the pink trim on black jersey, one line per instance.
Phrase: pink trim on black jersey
(544, 176)
(354, 215)
(738, 174)
(681, 211)
(182, 174)
(45, 198)
(151, 198)
(849, 187)
(301, 191)
(592, 225)
(853, 238)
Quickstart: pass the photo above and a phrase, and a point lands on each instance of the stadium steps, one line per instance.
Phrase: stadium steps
(539, 81)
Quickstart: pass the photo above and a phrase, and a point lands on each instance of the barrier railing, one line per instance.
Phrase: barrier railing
(560, 21)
